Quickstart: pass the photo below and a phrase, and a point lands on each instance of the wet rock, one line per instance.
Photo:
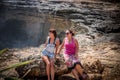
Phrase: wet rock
(101, 60)
(6, 60)
(93, 66)
(80, 28)
(11, 73)
(2, 79)
(95, 77)
(107, 27)
(112, 73)
(66, 77)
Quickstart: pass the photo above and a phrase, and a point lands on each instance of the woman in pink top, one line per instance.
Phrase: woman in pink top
(71, 49)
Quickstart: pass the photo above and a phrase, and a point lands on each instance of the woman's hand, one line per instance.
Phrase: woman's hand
(76, 55)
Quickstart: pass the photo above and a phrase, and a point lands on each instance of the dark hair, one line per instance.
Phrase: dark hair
(71, 32)
(53, 31)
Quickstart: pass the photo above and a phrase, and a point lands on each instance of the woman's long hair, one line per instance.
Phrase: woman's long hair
(53, 31)
(71, 32)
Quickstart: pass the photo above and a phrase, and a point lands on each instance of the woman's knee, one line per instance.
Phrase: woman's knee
(78, 66)
(52, 65)
(46, 60)
(48, 63)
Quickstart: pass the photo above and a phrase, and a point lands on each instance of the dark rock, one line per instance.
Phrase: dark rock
(95, 77)
(94, 67)
(38, 68)
(66, 77)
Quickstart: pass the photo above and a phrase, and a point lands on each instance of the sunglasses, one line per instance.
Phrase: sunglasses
(67, 33)
(51, 31)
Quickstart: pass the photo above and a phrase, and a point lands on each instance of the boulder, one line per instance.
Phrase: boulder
(38, 67)
(66, 77)
(93, 66)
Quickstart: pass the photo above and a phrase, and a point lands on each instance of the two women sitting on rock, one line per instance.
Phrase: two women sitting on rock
(71, 49)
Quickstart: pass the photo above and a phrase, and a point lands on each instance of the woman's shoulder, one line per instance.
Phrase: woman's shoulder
(48, 37)
(75, 40)
(65, 38)
(57, 39)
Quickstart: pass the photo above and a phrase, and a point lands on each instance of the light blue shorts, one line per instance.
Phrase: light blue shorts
(46, 53)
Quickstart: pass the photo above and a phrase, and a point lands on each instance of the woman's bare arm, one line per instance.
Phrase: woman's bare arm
(57, 45)
(77, 47)
(61, 46)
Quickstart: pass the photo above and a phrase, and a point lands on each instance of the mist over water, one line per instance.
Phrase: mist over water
(19, 29)
(17, 33)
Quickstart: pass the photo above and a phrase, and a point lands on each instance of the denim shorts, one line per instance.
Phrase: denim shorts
(46, 53)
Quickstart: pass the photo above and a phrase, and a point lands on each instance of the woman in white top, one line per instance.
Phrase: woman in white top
(48, 54)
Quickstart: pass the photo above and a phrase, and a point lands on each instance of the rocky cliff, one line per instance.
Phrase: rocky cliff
(96, 23)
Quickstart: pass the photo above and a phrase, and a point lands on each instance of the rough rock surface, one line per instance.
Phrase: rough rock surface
(97, 24)
(36, 68)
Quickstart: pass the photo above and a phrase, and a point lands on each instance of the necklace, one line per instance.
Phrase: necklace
(69, 40)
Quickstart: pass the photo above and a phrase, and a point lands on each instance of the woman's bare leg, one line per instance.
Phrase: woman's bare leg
(74, 72)
(52, 69)
(45, 58)
(79, 69)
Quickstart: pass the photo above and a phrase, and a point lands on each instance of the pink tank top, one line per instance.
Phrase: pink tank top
(70, 47)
